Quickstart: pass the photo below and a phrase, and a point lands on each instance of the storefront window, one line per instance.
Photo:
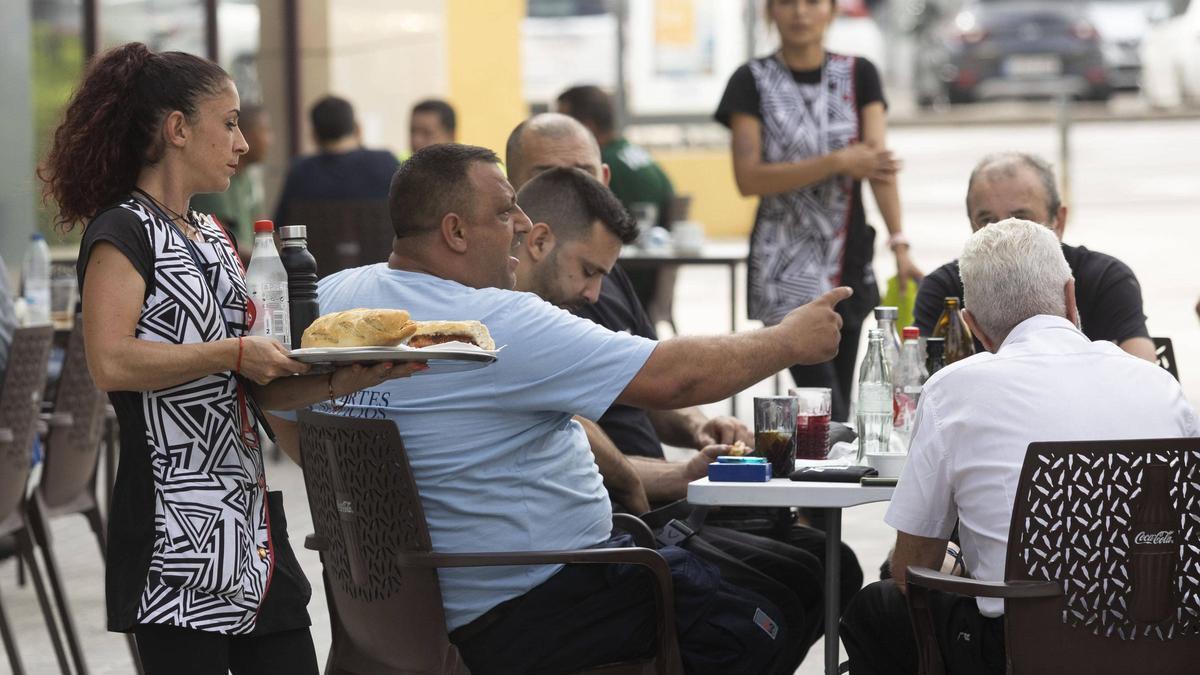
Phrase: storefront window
(162, 24)
(237, 45)
(58, 58)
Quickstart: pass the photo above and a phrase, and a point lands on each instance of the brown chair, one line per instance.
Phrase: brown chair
(69, 474)
(1071, 587)
(344, 233)
(380, 570)
(1164, 354)
(20, 404)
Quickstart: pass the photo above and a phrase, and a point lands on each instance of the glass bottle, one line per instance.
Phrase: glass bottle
(874, 399)
(267, 283)
(950, 325)
(885, 319)
(935, 354)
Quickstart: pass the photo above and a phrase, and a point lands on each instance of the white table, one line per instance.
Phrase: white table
(829, 497)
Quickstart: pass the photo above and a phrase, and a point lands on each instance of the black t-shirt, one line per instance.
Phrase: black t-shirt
(742, 96)
(618, 309)
(1107, 294)
(358, 174)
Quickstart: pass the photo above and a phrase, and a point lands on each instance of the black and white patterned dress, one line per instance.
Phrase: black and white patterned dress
(811, 239)
(189, 536)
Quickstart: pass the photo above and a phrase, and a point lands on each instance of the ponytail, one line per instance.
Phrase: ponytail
(111, 127)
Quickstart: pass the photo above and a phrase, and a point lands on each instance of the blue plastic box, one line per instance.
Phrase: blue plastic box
(739, 473)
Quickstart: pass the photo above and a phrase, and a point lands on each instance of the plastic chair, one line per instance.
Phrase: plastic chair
(1070, 588)
(1164, 353)
(344, 233)
(69, 472)
(20, 404)
(380, 570)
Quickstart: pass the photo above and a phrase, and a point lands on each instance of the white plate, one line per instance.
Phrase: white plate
(439, 358)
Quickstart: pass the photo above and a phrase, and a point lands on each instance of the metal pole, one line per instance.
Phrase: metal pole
(1064, 146)
(620, 96)
(833, 600)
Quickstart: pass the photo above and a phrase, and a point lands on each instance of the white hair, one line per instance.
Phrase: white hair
(1013, 270)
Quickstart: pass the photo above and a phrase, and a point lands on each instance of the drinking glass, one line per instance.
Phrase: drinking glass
(774, 433)
(813, 405)
(62, 302)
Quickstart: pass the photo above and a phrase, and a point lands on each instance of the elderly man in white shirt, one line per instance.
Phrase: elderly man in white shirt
(1043, 380)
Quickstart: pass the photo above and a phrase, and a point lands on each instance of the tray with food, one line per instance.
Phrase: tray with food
(377, 335)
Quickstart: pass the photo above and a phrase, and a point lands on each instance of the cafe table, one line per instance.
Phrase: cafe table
(831, 498)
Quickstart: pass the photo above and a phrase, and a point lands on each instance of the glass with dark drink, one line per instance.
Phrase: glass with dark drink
(812, 421)
(774, 433)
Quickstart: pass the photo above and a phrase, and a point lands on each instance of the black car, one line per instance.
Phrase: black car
(1010, 49)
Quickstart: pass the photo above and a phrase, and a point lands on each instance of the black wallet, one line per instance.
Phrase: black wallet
(833, 474)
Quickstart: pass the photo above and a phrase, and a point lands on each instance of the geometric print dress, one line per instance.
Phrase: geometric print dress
(211, 559)
(798, 242)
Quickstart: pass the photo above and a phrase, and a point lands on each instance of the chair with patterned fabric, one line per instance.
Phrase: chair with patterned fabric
(1103, 566)
(380, 571)
(20, 405)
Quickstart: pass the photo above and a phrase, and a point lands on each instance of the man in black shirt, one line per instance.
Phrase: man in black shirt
(1019, 185)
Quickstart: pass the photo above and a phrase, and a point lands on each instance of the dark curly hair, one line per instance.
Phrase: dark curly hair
(110, 129)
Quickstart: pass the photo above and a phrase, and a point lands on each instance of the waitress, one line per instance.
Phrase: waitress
(199, 567)
(808, 126)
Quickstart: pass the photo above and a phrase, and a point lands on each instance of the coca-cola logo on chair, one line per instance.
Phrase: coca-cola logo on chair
(1154, 538)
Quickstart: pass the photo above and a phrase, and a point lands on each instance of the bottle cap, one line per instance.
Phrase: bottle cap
(935, 344)
(951, 300)
(293, 232)
(882, 313)
(36, 236)
(261, 226)
(912, 333)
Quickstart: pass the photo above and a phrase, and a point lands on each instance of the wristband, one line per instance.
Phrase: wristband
(897, 240)
(237, 368)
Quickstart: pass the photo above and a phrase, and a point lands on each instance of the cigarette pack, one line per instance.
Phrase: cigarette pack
(750, 472)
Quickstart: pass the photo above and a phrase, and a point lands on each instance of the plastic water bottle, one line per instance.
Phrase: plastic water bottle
(301, 269)
(267, 282)
(874, 399)
(909, 379)
(35, 279)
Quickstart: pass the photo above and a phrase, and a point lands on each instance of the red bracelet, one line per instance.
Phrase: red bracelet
(238, 368)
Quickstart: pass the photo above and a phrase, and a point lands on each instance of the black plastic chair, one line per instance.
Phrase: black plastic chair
(1164, 353)
(380, 571)
(1069, 584)
(20, 407)
(69, 476)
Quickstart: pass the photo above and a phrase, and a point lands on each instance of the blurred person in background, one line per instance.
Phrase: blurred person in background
(1020, 185)
(165, 323)
(431, 121)
(342, 169)
(808, 127)
(1040, 379)
(238, 207)
(634, 176)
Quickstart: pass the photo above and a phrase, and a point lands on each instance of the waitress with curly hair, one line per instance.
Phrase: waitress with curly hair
(199, 567)
(808, 127)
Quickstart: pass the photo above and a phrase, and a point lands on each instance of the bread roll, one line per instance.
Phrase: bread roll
(359, 328)
(436, 332)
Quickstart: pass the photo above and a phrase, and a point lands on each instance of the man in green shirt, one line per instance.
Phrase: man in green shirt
(238, 207)
(636, 177)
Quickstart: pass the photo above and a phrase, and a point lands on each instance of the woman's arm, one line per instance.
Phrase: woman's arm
(112, 304)
(290, 393)
(887, 194)
(756, 177)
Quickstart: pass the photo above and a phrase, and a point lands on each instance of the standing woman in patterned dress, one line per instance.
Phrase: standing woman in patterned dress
(808, 126)
(199, 567)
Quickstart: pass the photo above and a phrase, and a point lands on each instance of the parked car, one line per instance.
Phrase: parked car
(1171, 57)
(997, 49)
(854, 32)
(1122, 25)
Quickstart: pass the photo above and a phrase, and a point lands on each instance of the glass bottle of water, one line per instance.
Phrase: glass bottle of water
(874, 399)
(885, 320)
(267, 282)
